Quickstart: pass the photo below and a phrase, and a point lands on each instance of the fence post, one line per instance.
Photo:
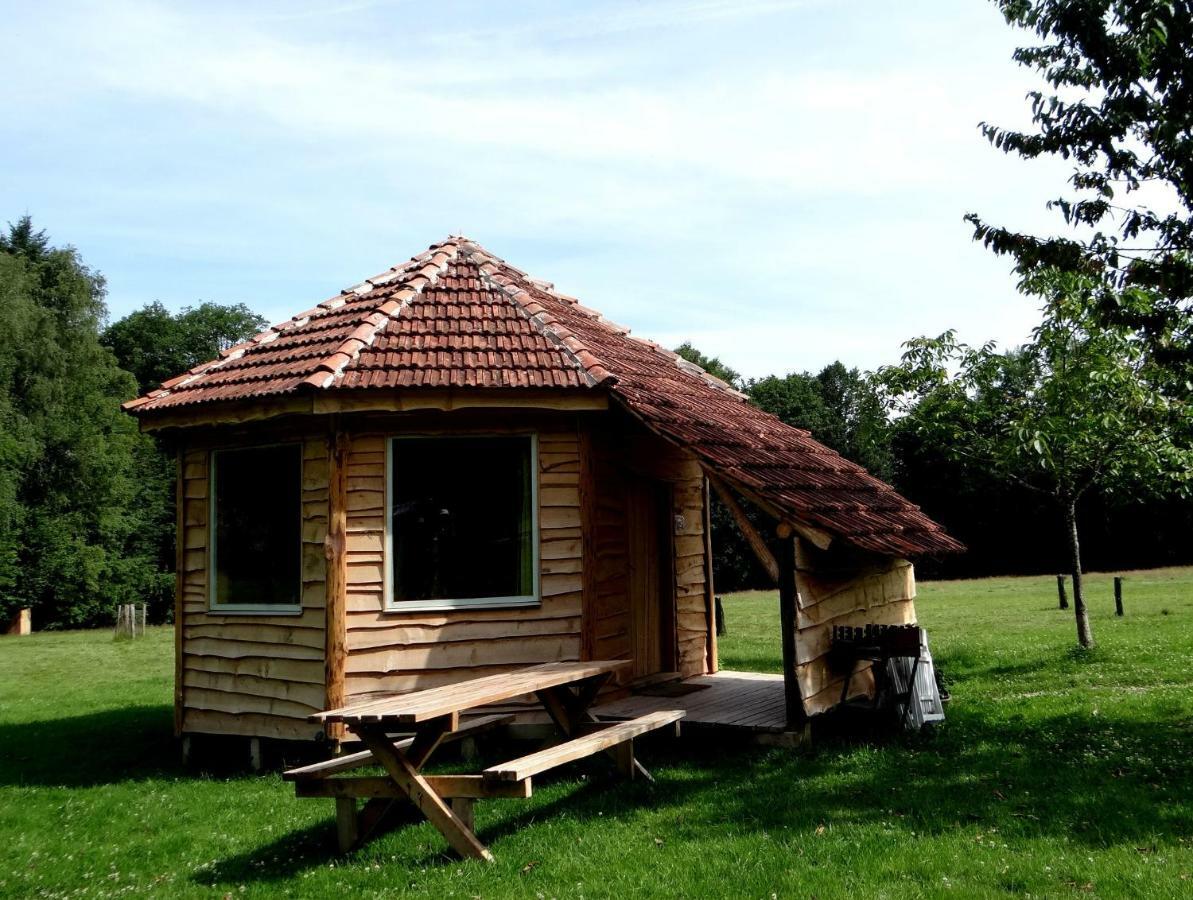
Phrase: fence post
(1118, 595)
(1060, 590)
(720, 617)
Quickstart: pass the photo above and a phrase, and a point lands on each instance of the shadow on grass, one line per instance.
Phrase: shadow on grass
(1092, 781)
(98, 748)
(315, 846)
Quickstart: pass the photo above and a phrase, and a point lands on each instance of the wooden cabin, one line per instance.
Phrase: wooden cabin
(451, 469)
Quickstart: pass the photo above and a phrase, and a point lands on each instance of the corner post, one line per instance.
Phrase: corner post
(711, 603)
(794, 704)
(179, 575)
(335, 548)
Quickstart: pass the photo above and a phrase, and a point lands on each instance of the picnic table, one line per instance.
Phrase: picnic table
(432, 717)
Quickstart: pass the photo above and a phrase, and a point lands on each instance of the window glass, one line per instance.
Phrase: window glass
(257, 513)
(462, 520)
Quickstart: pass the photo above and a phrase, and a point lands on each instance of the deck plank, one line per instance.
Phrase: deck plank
(750, 701)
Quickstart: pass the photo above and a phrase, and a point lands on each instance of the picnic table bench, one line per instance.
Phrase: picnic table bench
(432, 717)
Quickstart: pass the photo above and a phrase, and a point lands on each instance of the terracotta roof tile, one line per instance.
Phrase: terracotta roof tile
(456, 316)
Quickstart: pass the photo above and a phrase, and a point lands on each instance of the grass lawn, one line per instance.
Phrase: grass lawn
(1057, 774)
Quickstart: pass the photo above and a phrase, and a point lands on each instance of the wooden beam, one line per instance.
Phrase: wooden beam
(578, 748)
(350, 761)
(749, 532)
(793, 701)
(332, 402)
(588, 556)
(335, 550)
(417, 788)
(816, 537)
(711, 663)
(446, 786)
(179, 593)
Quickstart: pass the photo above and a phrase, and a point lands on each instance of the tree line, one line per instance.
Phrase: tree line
(86, 500)
(1074, 449)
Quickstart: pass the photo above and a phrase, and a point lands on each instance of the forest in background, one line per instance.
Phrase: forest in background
(86, 501)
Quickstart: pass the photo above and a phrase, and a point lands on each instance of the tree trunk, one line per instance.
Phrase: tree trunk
(1085, 637)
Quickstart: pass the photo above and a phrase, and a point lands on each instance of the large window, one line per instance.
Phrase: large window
(256, 539)
(462, 522)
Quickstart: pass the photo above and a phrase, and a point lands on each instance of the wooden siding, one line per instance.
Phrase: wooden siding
(403, 651)
(852, 590)
(251, 674)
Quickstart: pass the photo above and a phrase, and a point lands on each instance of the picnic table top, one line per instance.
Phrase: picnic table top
(419, 706)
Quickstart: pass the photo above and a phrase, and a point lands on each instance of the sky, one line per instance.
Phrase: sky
(781, 183)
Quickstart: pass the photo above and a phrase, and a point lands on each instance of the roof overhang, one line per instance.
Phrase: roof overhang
(332, 402)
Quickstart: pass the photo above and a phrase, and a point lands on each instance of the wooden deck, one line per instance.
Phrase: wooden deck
(746, 701)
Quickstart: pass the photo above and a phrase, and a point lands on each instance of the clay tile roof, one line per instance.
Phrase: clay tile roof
(456, 316)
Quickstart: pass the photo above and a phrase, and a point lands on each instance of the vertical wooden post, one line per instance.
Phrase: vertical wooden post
(711, 602)
(347, 828)
(21, 623)
(1061, 593)
(255, 761)
(335, 548)
(787, 604)
(179, 576)
(465, 811)
(588, 539)
(1118, 595)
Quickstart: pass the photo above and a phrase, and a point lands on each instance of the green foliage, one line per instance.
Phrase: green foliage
(1079, 406)
(155, 345)
(73, 540)
(710, 364)
(1075, 407)
(838, 405)
(1121, 109)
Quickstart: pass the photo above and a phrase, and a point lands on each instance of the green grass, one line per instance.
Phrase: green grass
(1057, 774)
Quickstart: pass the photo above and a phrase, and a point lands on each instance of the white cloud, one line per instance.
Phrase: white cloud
(789, 204)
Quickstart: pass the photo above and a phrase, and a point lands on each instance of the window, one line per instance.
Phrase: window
(462, 519)
(256, 540)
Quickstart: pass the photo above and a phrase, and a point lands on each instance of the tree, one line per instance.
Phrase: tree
(72, 535)
(839, 406)
(1121, 108)
(710, 364)
(1078, 406)
(154, 345)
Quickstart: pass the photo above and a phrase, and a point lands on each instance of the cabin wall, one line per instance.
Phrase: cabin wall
(253, 674)
(262, 675)
(843, 589)
(403, 651)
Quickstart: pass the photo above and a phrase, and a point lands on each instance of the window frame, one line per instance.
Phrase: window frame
(534, 598)
(247, 609)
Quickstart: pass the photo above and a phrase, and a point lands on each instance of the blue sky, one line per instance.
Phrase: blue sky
(783, 183)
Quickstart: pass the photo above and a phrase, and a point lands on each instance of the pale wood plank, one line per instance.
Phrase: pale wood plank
(578, 748)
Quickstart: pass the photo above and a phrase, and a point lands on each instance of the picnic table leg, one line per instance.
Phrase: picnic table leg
(346, 823)
(569, 711)
(463, 807)
(413, 785)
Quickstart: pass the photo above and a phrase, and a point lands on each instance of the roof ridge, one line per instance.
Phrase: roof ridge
(568, 340)
(332, 367)
(489, 267)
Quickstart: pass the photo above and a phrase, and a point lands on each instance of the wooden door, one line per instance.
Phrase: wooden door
(651, 578)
